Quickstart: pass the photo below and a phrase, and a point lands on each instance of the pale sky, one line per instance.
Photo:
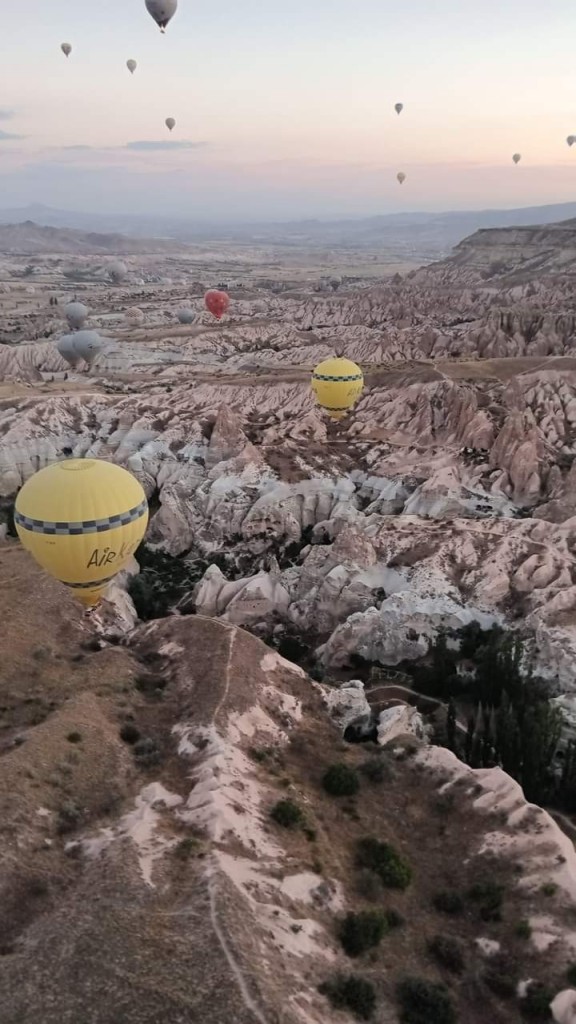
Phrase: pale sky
(292, 102)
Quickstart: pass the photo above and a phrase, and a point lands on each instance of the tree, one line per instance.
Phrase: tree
(451, 726)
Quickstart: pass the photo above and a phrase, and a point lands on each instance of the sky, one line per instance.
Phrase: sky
(285, 108)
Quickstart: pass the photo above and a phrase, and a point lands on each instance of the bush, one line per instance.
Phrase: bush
(377, 770)
(287, 814)
(549, 889)
(340, 780)
(425, 1002)
(536, 1003)
(186, 847)
(129, 733)
(146, 752)
(448, 952)
(501, 976)
(448, 902)
(381, 858)
(69, 818)
(151, 685)
(74, 737)
(359, 932)
(523, 930)
(489, 896)
(351, 993)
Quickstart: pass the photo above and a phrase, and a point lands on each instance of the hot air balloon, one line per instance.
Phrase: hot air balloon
(337, 384)
(517, 158)
(398, 107)
(217, 303)
(81, 520)
(76, 313)
(571, 140)
(134, 316)
(401, 177)
(67, 350)
(131, 65)
(66, 49)
(170, 123)
(117, 271)
(162, 11)
(88, 344)
(186, 316)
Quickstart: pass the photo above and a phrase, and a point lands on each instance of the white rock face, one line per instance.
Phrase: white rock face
(400, 721)
(348, 703)
(564, 1007)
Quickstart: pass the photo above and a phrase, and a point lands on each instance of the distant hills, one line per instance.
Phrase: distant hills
(29, 238)
(419, 235)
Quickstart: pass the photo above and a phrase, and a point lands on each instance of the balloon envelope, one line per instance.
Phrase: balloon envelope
(67, 350)
(76, 313)
(162, 11)
(82, 520)
(571, 140)
(131, 65)
(217, 302)
(88, 344)
(117, 271)
(186, 316)
(337, 384)
(401, 177)
(170, 122)
(398, 107)
(517, 158)
(66, 49)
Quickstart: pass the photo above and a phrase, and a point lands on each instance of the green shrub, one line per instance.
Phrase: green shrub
(186, 847)
(523, 930)
(69, 818)
(447, 952)
(377, 770)
(340, 780)
(425, 1002)
(287, 814)
(501, 976)
(146, 752)
(359, 932)
(536, 1003)
(448, 902)
(351, 993)
(549, 889)
(488, 895)
(74, 737)
(571, 975)
(392, 869)
(129, 733)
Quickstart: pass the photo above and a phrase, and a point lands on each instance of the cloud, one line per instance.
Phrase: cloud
(167, 144)
(6, 115)
(6, 136)
(76, 149)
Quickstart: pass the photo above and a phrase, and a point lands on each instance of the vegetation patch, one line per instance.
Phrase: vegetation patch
(393, 870)
(363, 931)
(425, 1002)
(340, 780)
(448, 952)
(351, 993)
(287, 814)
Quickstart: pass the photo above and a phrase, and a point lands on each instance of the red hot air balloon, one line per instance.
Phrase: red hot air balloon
(217, 303)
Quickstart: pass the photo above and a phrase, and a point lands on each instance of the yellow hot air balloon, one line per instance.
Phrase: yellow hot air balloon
(81, 520)
(337, 384)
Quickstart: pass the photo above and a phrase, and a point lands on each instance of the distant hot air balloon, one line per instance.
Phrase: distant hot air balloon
(162, 11)
(81, 520)
(217, 303)
(401, 177)
(134, 316)
(67, 349)
(117, 271)
(66, 49)
(131, 65)
(186, 316)
(337, 384)
(517, 158)
(571, 140)
(76, 314)
(88, 344)
(398, 107)
(170, 123)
